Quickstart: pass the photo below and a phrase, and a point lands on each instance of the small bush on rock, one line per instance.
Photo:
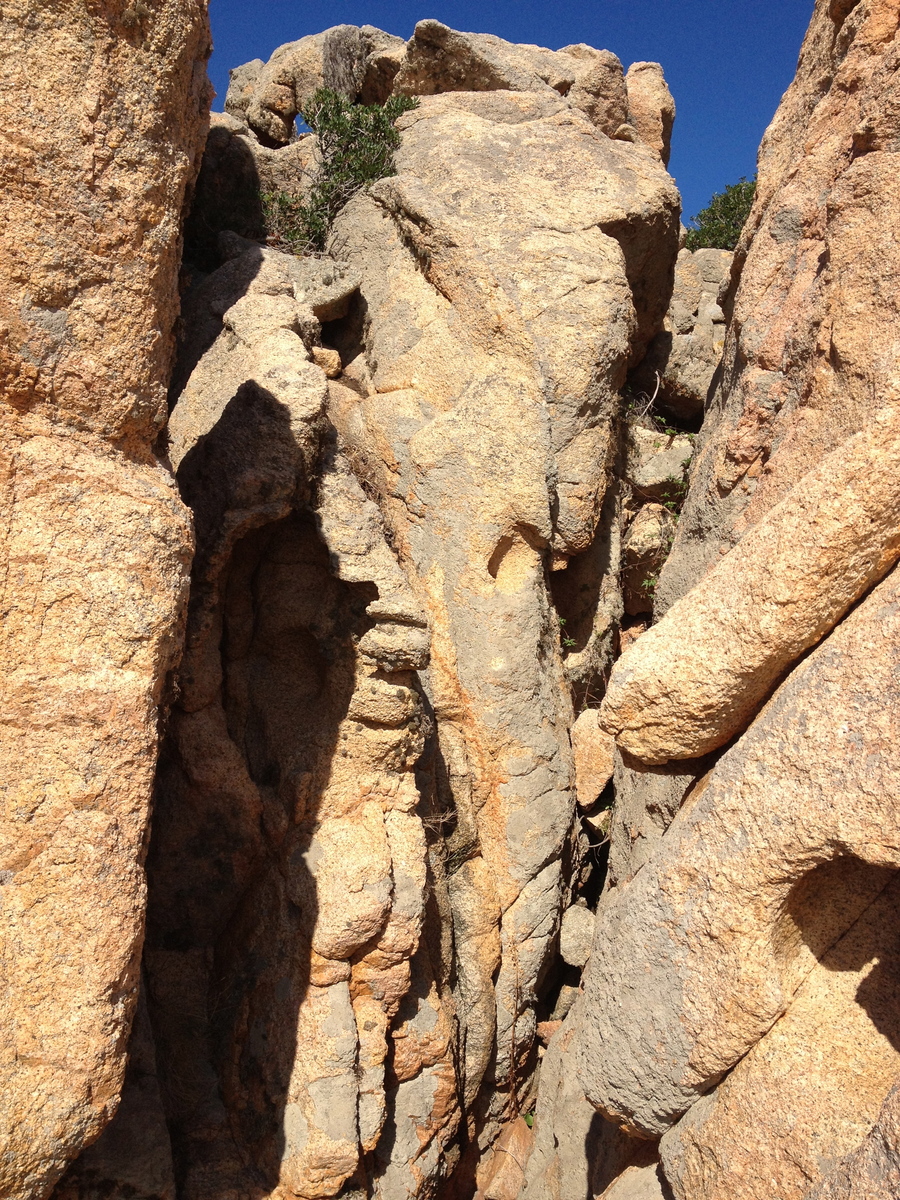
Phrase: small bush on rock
(356, 144)
(719, 225)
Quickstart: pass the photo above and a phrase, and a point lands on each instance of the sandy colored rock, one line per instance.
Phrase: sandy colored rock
(440, 59)
(812, 1088)
(803, 368)
(576, 933)
(694, 680)
(133, 1155)
(690, 938)
(636, 1183)
(503, 1174)
(871, 1172)
(656, 462)
(105, 119)
(651, 109)
(594, 752)
(682, 361)
(644, 548)
(646, 801)
(360, 63)
(270, 97)
(447, 420)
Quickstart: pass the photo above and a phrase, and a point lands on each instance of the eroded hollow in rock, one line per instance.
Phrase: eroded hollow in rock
(232, 903)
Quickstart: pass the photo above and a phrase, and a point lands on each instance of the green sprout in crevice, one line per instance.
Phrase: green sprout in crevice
(355, 147)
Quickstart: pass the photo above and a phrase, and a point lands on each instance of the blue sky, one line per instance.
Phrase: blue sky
(727, 61)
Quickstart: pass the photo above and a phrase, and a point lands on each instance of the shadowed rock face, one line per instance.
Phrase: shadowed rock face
(104, 117)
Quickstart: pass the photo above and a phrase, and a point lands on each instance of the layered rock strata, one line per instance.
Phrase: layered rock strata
(103, 112)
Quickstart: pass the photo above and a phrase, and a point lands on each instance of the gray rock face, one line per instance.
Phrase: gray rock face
(473, 401)
(682, 360)
(576, 932)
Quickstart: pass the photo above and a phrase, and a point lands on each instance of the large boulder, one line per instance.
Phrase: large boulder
(368, 65)
(439, 59)
(812, 1088)
(104, 110)
(495, 326)
(696, 678)
(651, 109)
(803, 368)
(269, 96)
(728, 916)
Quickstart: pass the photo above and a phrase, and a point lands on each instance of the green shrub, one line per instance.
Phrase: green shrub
(719, 225)
(356, 144)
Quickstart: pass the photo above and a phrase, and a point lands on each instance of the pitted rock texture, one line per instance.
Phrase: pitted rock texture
(872, 1171)
(804, 368)
(575, 1150)
(365, 799)
(104, 118)
(721, 924)
(812, 1088)
(694, 680)
(682, 362)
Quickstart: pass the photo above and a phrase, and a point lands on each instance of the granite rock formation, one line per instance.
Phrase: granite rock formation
(95, 541)
(765, 1071)
(681, 365)
(465, 878)
(363, 840)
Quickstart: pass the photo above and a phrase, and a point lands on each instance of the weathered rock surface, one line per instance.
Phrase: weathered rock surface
(651, 109)
(347, 59)
(812, 1088)
(367, 65)
(645, 545)
(693, 681)
(636, 1183)
(133, 1155)
(575, 1151)
(576, 934)
(380, 930)
(719, 930)
(872, 1172)
(681, 363)
(466, 432)
(364, 800)
(103, 115)
(594, 753)
(803, 368)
